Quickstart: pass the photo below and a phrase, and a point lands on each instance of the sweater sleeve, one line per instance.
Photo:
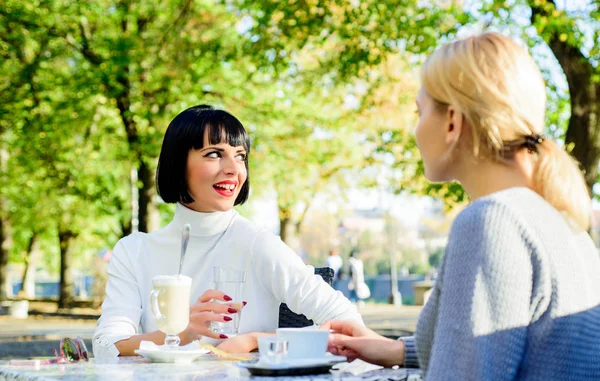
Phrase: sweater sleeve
(484, 300)
(294, 283)
(122, 307)
(411, 359)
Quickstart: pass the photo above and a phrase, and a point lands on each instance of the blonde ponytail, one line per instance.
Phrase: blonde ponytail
(557, 178)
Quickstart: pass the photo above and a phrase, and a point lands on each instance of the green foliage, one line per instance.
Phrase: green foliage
(435, 258)
(349, 37)
(59, 139)
(326, 89)
(420, 268)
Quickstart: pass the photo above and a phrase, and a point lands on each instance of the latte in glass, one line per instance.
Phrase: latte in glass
(170, 302)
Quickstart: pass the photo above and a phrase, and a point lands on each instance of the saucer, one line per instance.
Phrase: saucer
(178, 355)
(291, 367)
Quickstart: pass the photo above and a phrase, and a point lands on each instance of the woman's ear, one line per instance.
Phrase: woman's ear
(454, 125)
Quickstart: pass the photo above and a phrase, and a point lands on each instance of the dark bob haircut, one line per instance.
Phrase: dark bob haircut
(186, 132)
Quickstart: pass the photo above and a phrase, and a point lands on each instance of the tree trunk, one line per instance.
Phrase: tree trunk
(584, 125)
(5, 234)
(290, 228)
(29, 270)
(284, 222)
(148, 213)
(67, 287)
(287, 230)
(4, 246)
(126, 227)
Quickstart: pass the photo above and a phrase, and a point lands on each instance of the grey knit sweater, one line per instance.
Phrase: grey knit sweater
(517, 297)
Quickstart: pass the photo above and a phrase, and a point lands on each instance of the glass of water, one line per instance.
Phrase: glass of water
(231, 282)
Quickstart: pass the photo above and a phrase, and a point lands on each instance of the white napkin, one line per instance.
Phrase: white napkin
(151, 346)
(356, 367)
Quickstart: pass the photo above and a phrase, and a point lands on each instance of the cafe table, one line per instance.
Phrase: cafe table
(209, 368)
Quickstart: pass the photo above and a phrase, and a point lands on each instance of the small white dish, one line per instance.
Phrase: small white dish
(159, 353)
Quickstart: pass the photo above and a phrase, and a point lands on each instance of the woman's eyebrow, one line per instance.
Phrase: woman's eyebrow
(213, 148)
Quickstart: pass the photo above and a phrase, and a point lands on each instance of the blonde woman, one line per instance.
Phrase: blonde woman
(518, 293)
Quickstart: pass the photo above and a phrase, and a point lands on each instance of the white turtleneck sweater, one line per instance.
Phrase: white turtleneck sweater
(275, 275)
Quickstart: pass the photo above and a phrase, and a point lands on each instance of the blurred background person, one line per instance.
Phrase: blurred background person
(357, 286)
(335, 262)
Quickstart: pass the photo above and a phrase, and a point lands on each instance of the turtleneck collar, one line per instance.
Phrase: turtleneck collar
(203, 224)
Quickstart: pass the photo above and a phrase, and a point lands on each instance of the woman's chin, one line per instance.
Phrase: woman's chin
(223, 207)
(433, 177)
(437, 177)
(204, 208)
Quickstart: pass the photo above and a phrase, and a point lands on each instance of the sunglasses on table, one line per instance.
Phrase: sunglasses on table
(71, 350)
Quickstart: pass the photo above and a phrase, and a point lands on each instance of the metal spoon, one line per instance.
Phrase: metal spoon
(185, 237)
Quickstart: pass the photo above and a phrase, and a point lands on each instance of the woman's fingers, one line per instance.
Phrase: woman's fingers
(345, 343)
(326, 325)
(208, 308)
(351, 328)
(338, 340)
(337, 347)
(223, 308)
(374, 349)
(345, 327)
(206, 317)
(213, 294)
(208, 333)
(200, 323)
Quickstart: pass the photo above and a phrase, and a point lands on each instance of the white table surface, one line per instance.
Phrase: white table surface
(211, 368)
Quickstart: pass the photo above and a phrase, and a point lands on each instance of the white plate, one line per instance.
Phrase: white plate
(172, 355)
(294, 363)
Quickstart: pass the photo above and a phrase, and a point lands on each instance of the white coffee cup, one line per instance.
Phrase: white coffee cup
(170, 302)
(304, 343)
(272, 349)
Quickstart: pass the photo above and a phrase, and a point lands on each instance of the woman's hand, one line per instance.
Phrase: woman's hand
(205, 310)
(356, 341)
(242, 343)
(348, 328)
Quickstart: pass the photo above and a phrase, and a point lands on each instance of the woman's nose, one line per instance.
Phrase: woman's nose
(230, 166)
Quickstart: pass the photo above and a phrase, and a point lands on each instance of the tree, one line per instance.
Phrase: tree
(329, 54)
(572, 33)
(144, 58)
(563, 34)
(574, 39)
(23, 50)
(55, 182)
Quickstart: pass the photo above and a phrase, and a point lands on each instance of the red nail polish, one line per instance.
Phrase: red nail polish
(227, 298)
(224, 336)
(244, 303)
(231, 310)
(227, 318)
